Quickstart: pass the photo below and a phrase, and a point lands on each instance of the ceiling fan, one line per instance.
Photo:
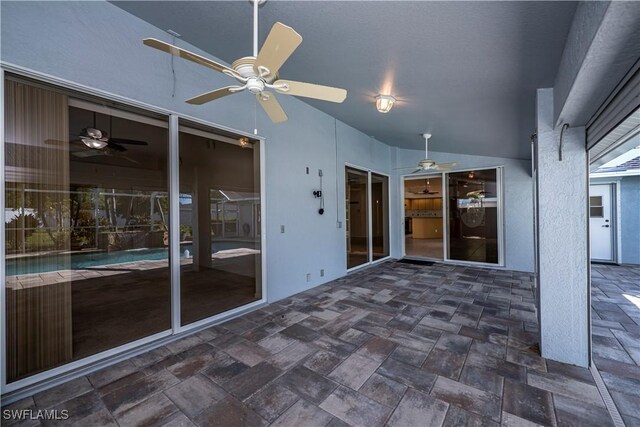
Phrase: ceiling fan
(426, 190)
(99, 140)
(259, 72)
(426, 164)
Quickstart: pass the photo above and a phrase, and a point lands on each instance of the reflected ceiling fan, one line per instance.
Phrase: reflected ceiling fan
(429, 165)
(426, 190)
(259, 72)
(99, 142)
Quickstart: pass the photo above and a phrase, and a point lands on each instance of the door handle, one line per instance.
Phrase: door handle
(606, 225)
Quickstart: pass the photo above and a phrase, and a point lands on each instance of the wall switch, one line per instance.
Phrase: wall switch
(322, 272)
(308, 277)
(319, 172)
(282, 228)
(307, 170)
(339, 224)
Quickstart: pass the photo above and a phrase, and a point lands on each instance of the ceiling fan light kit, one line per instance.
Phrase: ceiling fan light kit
(259, 72)
(384, 103)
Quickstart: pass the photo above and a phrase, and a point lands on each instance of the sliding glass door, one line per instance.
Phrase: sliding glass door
(219, 223)
(472, 229)
(473, 212)
(89, 191)
(379, 216)
(357, 224)
(367, 216)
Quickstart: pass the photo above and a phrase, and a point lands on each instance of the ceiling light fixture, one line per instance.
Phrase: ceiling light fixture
(384, 103)
(97, 144)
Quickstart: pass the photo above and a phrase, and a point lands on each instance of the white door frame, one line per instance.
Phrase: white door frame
(445, 231)
(616, 245)
(370, 260)
(445, 235)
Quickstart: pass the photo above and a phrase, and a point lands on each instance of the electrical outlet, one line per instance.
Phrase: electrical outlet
(308, 277)
(282, 228)
(322, 272)
(307, 170)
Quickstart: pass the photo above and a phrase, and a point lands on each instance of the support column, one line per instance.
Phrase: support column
(562, 224)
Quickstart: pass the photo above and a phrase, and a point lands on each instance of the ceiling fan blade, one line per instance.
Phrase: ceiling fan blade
(185, 54)
(277, 48)
(416, 171)
(212, 96)
(310, 90)
(88, 153)
(272, 107)
(408, 167)
(447, 165)
(115, 147)
(127, 141)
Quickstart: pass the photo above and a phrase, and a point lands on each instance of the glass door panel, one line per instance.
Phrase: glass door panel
(423, 230)
(87, 260)
(473, 216)
(379, 216)
(219, 224)
(357, 225)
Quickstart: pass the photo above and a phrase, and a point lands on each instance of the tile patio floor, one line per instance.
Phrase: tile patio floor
(615, 302)
(396, 344)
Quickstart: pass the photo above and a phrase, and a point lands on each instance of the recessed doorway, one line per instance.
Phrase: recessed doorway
(423, 213)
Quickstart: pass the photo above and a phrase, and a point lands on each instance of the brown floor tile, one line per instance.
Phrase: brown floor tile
(383, 390)
(303, 413)
(416, 409)
(272, 401)
(195, 394)
(407, 375)
(308, 384)
(468, 398)
(354, 371)
(229, 412)
(154, 411)
(355, 408)
(528, 402)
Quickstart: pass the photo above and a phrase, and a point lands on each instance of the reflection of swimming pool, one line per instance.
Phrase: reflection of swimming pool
(83, 260)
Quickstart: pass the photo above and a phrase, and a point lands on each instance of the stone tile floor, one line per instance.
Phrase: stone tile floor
(396, 344)
(615, 303)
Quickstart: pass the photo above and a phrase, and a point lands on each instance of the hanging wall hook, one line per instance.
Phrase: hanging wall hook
(564, 127)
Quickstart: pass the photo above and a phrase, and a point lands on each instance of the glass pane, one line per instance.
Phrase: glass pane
(357, 225)
(596, 211)
(86, 242)
(473, 216)
(380, 215)
(423, 217)
(595, 200)
(219, 225)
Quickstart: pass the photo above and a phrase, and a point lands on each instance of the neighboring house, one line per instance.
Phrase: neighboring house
(615, 192)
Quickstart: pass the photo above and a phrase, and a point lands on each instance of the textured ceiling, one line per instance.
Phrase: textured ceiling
(464, 71)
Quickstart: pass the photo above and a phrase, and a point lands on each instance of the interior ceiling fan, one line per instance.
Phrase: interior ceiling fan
(426, 164)
(426, 190)
(99, 142)
(259, 72)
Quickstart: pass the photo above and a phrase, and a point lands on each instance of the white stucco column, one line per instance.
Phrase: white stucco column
(562, 221)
